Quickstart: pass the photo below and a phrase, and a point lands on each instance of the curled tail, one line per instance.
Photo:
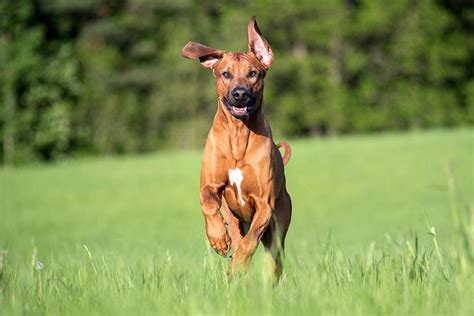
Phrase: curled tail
(287, 155)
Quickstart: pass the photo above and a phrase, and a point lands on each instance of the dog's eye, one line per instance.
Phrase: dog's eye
(226, 75)
(252, 74)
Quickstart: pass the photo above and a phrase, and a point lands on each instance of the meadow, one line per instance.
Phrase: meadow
(382, 224)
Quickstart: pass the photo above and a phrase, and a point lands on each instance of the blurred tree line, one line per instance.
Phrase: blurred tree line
(106, 76)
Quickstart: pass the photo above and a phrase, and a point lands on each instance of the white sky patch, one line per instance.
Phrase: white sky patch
(236, 177)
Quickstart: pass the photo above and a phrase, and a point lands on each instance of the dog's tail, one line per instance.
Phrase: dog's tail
(287, 155)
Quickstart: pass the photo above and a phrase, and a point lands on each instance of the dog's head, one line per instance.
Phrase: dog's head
(239, 76)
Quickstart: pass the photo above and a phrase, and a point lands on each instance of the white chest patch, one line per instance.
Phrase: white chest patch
(236, 177)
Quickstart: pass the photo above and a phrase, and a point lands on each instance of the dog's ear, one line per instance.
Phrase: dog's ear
(258, 44)
(208, 56)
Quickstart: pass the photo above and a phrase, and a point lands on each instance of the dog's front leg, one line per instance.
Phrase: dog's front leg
(215, 228)
(249, 242)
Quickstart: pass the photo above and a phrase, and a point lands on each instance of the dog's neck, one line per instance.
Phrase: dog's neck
(240, 131)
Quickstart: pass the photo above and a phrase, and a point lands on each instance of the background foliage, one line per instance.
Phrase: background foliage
(106, 76)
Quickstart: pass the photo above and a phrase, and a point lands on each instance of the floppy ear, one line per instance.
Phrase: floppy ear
(208, 56)
(258, 44)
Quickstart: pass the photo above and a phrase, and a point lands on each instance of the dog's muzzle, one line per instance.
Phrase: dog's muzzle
(240, 102)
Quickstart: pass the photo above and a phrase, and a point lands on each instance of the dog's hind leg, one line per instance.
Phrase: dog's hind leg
(274, 237)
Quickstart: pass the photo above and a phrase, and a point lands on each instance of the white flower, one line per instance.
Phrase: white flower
(39, 265)
(3, 255)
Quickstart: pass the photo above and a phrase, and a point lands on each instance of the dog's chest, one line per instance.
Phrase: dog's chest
(241, 183)
(236, 177)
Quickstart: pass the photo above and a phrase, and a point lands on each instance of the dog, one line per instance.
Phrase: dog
(243, 181)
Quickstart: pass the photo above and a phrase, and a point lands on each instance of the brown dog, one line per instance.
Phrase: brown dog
(242, 176)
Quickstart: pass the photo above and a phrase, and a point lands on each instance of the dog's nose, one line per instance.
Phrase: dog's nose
(240, 94)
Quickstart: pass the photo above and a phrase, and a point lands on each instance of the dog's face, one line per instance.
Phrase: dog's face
(239, 83)
(239, 76)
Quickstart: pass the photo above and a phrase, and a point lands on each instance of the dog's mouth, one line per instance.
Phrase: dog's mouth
(240, 111)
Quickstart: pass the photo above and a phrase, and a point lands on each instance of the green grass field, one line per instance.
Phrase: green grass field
(125, 235)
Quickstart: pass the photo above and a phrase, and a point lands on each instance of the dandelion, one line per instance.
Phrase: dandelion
(3, 255)
(39, 265)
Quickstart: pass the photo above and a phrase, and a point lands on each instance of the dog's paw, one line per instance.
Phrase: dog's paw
(238, 264)
(220, 243)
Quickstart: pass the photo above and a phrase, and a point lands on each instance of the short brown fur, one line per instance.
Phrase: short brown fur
(245, 143)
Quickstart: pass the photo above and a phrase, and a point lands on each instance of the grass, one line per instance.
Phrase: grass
(125, 235)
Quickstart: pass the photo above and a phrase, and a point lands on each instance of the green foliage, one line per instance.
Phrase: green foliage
(126, 236)
(107, 77)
